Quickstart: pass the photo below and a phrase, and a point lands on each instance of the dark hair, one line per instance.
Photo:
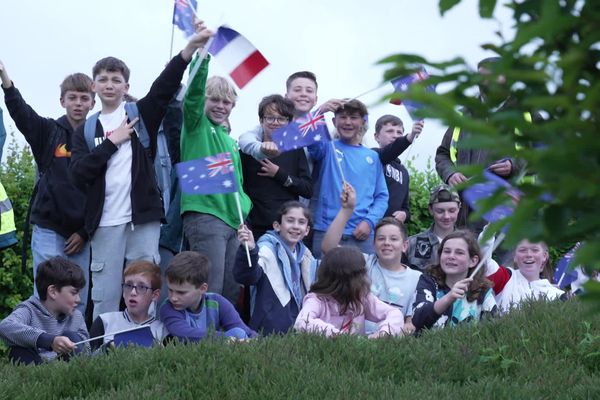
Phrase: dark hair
(480, 284)
(188, 266)
(342, 276)
(288, 205)
(301, 74)
(60, 272)
(111, 64)
(283, 106)
(392, 221)
(352, 106)
(146, 268)
(77, 82)
(387, 119)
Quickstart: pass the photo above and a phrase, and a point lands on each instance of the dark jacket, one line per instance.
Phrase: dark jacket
(59, 205)
(269, 194)
(89, 167)
(396, 176)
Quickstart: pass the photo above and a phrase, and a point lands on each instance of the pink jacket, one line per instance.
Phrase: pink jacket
(320, 314)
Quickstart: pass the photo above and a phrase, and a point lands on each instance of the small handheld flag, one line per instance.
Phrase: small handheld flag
(480, 191)
(565, 273)
(209, 175)
(402, 84)
(140, 337)
(238, 55)
(183, 16)
(301, 132)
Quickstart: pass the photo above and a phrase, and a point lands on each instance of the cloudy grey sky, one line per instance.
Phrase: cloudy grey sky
(339, 40)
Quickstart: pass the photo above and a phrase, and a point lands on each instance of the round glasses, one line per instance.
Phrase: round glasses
(279, 120)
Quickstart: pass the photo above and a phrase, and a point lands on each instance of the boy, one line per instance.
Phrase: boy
(42, 329)
(191, 312)
(210, 221)
(301, 89)
(141, 287)
(58, 206)
(444, 205)
(361, 168)
(124, 208)
(389, 134)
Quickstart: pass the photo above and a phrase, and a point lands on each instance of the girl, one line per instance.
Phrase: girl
(447, 294)
(340, 301)
(282, 269)
(527, 281)
(391, 280)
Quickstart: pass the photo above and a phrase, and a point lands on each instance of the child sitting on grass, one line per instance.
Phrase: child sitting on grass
(282, 269)
(141, 287)
(340, 301)
(43, 329)
(191, 313)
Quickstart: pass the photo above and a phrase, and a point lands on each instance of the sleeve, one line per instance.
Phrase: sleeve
(308, 319)
(242, 272)
(86, 166)
(390, 320)
(405, 206)
(302, 182)
(390, 152)
(17, 331)
(154, 105)
(193, 103)
(171, 125)
(443, 164)
(380, 198)
(97, 329)
(498, 274)
(2, 133)
(35, 128)
(424, 316)
(177, 325)
(250, 143)
(229, 317)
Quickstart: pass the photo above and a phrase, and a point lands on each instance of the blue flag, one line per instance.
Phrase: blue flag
(210, 175)
(403, 83)
(301, 132)
(139, 337)
(183, 16)
(493, 183)
(564, 273)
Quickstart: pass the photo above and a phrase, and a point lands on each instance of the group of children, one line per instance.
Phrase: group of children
(98, 194)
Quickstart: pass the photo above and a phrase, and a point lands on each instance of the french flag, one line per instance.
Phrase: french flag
(235, 52)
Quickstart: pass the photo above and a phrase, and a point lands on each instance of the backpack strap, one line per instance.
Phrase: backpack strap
(89, 130)
(132, 113)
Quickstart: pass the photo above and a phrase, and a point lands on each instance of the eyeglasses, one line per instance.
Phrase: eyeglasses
(279, 120)
(140, 289)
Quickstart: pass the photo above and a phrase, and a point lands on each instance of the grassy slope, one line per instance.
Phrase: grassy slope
(546, 351)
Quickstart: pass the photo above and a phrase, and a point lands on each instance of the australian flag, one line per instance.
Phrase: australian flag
(301, 132)
(210, 175)
(402, 84)
(565, 273)
(183, 16)
(493, 183)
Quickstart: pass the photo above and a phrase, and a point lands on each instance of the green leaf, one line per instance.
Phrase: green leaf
(486, 8)
(446, 5)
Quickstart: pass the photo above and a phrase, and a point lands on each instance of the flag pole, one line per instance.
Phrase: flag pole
(488, 254)
(337, 161)
(239, 207)
(172, 38)
(201, 56)
(112, 334)
(370, 90)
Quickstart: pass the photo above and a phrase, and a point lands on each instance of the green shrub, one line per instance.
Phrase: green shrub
(539, 352)
(421, 183)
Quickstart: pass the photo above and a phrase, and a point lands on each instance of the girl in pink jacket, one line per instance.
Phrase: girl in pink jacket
(340, 300)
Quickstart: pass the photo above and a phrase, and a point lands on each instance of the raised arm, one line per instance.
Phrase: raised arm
(336, 229)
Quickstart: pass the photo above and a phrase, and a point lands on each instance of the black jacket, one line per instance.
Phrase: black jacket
(89, 167)
(59, 205)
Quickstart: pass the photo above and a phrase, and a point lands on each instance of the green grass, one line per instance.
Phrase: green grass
(546, 351)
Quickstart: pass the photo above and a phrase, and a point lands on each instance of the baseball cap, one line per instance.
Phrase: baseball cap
(442, 194)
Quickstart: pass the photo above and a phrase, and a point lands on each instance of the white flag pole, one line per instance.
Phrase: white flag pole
(201, 56)
(112, 334)
(339, 164)
(239, 207)
(488, 254)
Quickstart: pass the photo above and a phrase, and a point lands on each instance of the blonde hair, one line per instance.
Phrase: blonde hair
(217, 86)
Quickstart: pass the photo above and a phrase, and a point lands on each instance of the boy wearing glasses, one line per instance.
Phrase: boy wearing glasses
(272, 182)
(141, 287)
(191, 313)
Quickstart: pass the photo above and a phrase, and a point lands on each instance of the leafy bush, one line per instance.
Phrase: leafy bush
(18, 177)
(421, 183)
(544, 351)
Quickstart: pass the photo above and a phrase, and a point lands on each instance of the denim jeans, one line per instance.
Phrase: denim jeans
(45, 244)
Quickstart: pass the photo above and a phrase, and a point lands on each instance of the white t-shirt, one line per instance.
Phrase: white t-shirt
(117, 195)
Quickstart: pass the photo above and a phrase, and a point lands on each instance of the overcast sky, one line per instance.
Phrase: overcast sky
(339, 40)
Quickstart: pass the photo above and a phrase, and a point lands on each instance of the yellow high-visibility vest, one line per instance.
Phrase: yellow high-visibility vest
(7, 220)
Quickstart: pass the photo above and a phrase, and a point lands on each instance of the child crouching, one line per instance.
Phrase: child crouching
(191, 312)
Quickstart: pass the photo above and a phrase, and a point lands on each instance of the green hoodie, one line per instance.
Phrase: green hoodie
(201, 138)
